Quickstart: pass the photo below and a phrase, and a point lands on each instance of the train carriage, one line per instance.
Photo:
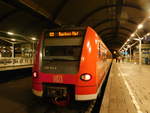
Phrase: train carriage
(70, 61)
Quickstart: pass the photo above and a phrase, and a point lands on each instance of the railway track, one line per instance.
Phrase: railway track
(75, 107)
(43, 106)
(28, 103)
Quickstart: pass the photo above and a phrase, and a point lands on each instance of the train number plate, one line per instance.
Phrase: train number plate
(58, 79)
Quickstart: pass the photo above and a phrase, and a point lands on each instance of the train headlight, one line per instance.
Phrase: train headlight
(86, 77)
(35, 74)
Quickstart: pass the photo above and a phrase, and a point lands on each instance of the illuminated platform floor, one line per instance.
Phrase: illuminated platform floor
(5, 68)
(128, 89)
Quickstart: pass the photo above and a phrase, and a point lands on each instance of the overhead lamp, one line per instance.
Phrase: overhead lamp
(140, 26)
(13, 39)
(132, 35)
(148, 34)
(33, 38)
(115, 52)
(10, 33)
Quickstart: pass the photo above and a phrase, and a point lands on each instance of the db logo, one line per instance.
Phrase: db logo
(58, 78)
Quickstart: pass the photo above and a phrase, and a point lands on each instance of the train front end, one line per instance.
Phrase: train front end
(65, 65)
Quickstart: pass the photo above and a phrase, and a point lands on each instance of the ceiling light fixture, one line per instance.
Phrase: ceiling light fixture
(10, 33)
(13, 39)
(140, 26)
(148, 34)
(33, 38)
(132, 35)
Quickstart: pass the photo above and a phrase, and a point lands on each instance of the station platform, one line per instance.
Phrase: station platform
(127, 89)
(6, 68)
(9, 63)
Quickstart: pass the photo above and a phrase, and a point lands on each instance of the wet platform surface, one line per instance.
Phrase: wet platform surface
(128, 89)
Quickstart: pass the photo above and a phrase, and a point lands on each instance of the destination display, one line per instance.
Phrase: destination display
(65, 34)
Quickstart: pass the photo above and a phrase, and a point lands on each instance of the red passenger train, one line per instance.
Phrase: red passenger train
(70, 61)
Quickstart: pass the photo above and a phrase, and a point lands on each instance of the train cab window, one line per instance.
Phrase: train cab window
(62, 49)
(63, 52)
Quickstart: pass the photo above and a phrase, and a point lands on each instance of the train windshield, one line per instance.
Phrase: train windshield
(62, 49)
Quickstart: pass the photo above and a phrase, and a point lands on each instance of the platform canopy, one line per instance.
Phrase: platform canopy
(114, 20)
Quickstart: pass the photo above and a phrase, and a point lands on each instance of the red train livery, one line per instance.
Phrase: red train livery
(70, 61)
